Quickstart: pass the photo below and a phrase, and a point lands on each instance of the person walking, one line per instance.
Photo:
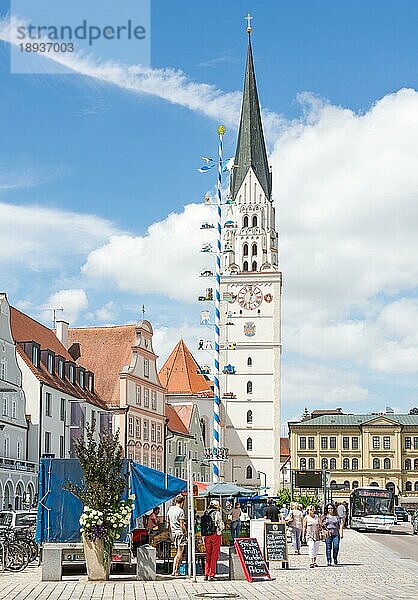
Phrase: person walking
(236, 521)
(311, 533)
(342, 512)
(211, 527)
(295, 522)
(333, 525)
(177, 524)
(272, 511)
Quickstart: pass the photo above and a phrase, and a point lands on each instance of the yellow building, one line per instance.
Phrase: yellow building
(360, 450)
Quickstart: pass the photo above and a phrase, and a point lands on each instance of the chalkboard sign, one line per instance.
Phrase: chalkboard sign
(252, 561)
(275, 542)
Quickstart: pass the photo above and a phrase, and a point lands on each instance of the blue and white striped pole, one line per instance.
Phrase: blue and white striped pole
(216, 388)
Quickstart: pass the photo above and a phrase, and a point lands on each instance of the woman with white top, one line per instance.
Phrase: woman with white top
(295, 522)
(311, 529)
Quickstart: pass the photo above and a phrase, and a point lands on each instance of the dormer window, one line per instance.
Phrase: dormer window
(89, 377)
(61, 368)
(80, 377)
(70, 371)
(50, 363)
(35, 355)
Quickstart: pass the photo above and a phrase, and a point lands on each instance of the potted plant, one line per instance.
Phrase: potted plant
(103, 485)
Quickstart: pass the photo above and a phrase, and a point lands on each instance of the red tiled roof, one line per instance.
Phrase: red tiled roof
(179, 374)
(184, 412)
(284, 447)
(175, 424)
(26, 329)
(105, 350)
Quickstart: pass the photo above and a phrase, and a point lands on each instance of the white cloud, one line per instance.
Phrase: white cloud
(346, 191)
(167, 260)
(168, 84)
(313, 384)
(106, 313)
(73, 302)
(42, 238)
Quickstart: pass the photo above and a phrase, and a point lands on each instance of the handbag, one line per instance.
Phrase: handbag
(324, 534)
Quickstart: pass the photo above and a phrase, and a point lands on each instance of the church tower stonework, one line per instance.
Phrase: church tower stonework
(251, 285)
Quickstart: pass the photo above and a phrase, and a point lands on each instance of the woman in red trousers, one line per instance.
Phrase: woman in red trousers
(212, 527)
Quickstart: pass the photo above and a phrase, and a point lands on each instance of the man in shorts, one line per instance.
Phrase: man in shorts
(177, 524)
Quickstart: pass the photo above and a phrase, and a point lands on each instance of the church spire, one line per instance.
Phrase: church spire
(251, 148)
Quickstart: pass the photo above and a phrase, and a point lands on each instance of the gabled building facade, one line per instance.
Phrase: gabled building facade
(60, 394)
(18, 466)
(184, 440)
(124, 363)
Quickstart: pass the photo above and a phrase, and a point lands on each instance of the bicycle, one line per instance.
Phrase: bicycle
(13, 554)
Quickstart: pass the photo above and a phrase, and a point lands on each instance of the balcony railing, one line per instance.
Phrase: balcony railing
(12, 464)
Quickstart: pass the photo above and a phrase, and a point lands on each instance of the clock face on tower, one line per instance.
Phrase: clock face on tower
(250, 297)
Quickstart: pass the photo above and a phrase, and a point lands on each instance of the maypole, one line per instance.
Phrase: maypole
(216, 377)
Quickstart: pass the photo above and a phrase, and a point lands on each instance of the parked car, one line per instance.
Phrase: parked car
(415, 522)
(401, 514)
(18, 519)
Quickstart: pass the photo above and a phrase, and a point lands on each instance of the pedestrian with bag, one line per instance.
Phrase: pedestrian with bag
(212, 525)
(236, 521)
(311, 533)
(295, 522)
(178, 532)
(333, 533)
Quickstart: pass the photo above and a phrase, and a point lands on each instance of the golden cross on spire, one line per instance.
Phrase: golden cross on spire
(248, 18)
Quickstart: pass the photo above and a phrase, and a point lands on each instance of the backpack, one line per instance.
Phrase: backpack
(207, 524)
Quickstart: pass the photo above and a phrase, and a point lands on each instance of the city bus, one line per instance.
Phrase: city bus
(372, 509)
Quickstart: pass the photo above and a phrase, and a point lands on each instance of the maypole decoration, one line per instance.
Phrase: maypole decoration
(216, 389)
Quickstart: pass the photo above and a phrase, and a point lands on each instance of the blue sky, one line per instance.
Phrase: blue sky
(73, 146)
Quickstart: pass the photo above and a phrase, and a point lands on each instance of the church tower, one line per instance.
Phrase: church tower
(251, 308)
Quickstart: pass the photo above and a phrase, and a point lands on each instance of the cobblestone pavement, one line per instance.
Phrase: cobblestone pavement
(367, 570)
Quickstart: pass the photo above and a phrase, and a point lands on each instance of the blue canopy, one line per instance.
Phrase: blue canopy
(59, 510)
(152, 488)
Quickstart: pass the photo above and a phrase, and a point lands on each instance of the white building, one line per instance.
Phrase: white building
(60, 395)
(18, 469)
(251, 286)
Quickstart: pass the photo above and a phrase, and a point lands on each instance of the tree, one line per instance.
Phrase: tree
(103, 483)
(413, 411)
(102, 488)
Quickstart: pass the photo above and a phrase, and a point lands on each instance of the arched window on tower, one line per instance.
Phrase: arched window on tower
(249, 472)
(254, 221)
(245, 221)
(254, 266)
(245, 250)
(249, 362)
(245, 265)
(249, 416)
(249, 387)
(254, 250)
(249, 444)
